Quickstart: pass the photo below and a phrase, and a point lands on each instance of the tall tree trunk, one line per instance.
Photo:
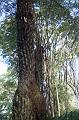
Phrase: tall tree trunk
(28, 102)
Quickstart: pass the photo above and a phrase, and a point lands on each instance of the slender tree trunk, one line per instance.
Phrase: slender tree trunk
(57, 97)
(28, 102)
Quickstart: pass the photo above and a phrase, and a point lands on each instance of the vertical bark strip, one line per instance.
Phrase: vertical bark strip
(28, 102)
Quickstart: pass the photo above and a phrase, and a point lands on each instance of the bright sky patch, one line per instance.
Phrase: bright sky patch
(3, 68)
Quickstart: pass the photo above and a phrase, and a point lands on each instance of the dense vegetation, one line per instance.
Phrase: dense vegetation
(73, 115)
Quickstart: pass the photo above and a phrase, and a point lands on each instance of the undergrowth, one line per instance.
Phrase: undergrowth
(73, 115)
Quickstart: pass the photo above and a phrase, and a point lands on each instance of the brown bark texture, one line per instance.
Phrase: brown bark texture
(28, 102)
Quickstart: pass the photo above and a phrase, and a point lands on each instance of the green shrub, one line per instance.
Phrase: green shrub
(73, 115)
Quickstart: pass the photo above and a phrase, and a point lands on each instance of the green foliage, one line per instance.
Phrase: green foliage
(65, 27)
(7, 88)
(8, 35)
(53, 9)
(73, 115)
(8, 39)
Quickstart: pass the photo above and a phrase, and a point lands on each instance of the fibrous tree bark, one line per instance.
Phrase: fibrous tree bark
(28, 102)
